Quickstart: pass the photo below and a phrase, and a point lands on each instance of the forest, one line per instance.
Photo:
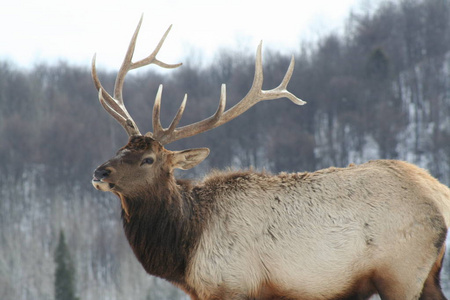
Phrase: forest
(379, 89)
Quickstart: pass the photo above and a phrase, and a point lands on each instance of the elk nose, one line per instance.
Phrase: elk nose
(101, 173)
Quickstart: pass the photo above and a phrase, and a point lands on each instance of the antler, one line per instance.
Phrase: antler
(254, 95)
(116, 108)
(114, 105)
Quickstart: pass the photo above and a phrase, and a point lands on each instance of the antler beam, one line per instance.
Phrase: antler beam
(114, 105)
(255, 95)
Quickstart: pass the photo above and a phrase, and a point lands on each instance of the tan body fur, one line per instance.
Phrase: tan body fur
(321, 235)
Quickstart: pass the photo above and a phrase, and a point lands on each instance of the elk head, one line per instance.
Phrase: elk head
(144, 161)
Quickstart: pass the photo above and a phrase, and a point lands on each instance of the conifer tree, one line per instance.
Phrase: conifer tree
(64, 272)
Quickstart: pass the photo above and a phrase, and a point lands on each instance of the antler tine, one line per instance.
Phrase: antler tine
(116, 109)
(173, 125)
(151, 59)
(118, 114)
(282, 88)
(254, 95)
(159, 133)
(156, 119)
(128, 65)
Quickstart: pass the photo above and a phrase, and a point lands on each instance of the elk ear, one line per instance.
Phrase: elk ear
(187, 159)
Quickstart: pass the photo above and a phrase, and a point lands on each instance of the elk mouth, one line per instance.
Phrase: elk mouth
(101, 185)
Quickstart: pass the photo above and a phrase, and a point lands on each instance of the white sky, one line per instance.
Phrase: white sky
(33, 31)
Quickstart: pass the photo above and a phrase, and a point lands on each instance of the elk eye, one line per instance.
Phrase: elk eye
(148, 160)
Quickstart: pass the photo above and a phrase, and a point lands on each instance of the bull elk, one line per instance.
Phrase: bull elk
(338, 233)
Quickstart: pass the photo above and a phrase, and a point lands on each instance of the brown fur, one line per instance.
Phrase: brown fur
(432, 288)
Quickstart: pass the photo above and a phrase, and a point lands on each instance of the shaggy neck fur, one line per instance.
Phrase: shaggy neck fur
(163, 226)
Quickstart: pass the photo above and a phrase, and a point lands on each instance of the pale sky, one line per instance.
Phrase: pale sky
(33, 31)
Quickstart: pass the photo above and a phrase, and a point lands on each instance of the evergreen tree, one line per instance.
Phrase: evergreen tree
(64, 273)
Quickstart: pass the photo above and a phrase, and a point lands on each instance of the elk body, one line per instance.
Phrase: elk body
(338, 233)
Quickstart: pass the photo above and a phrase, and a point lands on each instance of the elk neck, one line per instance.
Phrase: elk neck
(163, 225)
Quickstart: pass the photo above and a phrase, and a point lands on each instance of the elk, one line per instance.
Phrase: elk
(338, 233)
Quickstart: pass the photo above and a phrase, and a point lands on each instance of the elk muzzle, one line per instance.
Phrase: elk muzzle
(100, 179)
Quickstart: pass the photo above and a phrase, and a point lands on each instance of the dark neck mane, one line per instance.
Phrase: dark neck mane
(163, 228)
